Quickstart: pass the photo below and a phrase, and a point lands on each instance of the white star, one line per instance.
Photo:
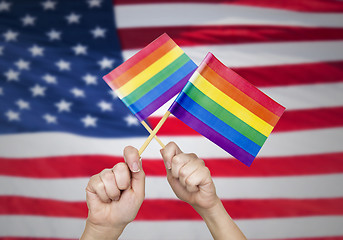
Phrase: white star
(50, 118)
(23, 104)
(49, 79)
(94, 3)
(63, 106)
(80, 49)
(12, 116)
(131, 120)
(22, 64)
(28, 20)
(1, 50)
(1, 91)
(90, 79)
(73, 18)
(105, 106)
(49, 5)
(10, 36)
(36, 51)
(106, 63)
(54, 35)
(63, 65)
(5, 6)
(89, 121)
(113, 94)
(12, 75)
(38, 90)
(98, 32)
(77, 92)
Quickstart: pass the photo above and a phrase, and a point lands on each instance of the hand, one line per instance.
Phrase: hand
(191, 181)
(189, 178)
(114, 197)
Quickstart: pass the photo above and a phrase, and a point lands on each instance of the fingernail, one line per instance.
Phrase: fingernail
(168, 165)
(135, 167)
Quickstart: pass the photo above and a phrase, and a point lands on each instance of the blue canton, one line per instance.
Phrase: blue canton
(53, 55)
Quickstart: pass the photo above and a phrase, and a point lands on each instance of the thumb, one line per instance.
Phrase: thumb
(133, 160)
(170, 150)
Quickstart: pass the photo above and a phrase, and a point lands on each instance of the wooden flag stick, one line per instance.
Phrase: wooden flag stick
(150, 131)
(159, 125)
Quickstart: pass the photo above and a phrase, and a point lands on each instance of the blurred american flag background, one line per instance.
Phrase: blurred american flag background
(60, 123)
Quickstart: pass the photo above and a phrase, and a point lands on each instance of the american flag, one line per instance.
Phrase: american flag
(60, 123)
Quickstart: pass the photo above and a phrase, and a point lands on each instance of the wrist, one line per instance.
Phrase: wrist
(220, 223)
(212, 211)
(93, 231)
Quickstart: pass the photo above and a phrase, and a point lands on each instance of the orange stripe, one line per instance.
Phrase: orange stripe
(143, 64)
(239, 96)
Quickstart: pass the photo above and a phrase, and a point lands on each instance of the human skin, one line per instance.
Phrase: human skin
(115, 195)
(191, 181)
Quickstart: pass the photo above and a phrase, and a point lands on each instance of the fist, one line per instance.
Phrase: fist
(189, 178)
(115, 195)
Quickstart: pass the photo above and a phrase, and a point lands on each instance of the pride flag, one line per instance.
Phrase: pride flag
(151, 77)
(227, 109)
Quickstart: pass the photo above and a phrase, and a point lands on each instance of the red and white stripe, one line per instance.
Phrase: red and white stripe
(292, 50)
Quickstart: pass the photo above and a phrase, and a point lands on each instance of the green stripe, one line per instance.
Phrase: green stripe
(224, 115)
(155, 80)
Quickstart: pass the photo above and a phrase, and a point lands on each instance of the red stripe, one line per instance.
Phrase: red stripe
(297, 5)
(178, 210)
(86, 166)
(212, 35)
(310, 119)
(292, 120)
(293, 74)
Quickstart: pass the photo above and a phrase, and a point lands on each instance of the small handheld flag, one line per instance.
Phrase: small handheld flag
(227, 109)
(151, 77)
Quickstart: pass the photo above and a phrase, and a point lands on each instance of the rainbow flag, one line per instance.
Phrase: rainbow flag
(227, 109)
(151, 77)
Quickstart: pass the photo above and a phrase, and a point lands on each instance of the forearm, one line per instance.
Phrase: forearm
(92, 232)
(220, 223)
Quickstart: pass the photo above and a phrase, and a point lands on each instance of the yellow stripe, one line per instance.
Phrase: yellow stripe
(231, 105)
(150, 71)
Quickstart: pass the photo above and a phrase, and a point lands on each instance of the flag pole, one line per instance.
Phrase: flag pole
(150, 131)
(153, 133)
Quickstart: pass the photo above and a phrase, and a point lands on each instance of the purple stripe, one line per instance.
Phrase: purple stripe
(182, 114)
(148, 110)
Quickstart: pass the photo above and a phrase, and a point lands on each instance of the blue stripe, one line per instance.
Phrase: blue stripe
(218, 125)
(163, 87)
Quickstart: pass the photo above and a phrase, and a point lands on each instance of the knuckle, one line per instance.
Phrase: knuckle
(183, 172)
(99, 185)
(114, 194)
(177, 159)
(92, 179)
(189, 181)
(120, 167)
(106, 174)
(192, 156)
(171, 145)
(207, 171)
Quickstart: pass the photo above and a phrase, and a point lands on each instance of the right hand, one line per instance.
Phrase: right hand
(189, 178)
(114, 196)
